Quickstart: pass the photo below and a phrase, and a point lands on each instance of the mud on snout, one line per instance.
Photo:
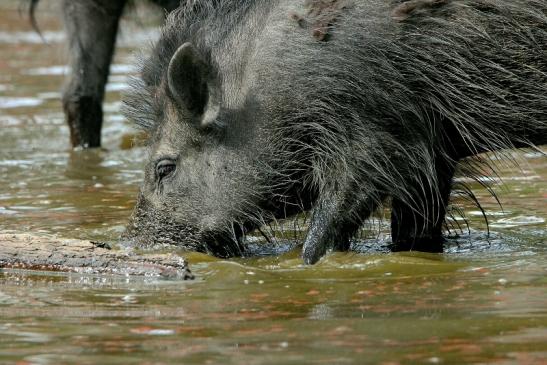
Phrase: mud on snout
(150, 228)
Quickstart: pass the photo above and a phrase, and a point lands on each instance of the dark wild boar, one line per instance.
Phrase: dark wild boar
(91, 27)
(258, 110)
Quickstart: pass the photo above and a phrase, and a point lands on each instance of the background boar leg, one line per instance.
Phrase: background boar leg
(91, 27)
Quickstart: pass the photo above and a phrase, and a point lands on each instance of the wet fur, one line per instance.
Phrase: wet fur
(383, 114)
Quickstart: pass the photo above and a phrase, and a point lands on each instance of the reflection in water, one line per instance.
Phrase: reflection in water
(90, 165)
(31, 37)
(484, 301)
(8, 103)
(320, 312)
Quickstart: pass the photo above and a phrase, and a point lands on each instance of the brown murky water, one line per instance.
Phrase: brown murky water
(483, 302)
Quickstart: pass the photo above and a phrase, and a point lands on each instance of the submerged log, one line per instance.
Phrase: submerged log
(29, 252)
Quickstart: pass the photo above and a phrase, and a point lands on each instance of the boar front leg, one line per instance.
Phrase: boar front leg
(91, 27)
(336, 217)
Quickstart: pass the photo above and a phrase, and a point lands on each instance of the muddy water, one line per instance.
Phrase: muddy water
(484, 302)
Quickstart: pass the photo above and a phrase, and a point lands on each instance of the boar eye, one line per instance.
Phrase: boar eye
(165, 168)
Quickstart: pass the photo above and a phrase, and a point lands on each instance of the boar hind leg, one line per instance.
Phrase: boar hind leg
(417, 221)
(91, 27)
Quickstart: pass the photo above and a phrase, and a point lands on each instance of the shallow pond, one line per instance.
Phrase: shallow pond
(483, 302)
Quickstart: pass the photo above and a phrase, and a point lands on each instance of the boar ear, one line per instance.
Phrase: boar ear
(189, 81)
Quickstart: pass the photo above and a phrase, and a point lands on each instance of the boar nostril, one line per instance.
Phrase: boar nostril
(165, 168)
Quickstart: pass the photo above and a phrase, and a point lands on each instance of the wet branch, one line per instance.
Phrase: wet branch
(24, 251)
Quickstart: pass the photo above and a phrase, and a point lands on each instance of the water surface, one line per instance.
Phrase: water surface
(482, 302)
